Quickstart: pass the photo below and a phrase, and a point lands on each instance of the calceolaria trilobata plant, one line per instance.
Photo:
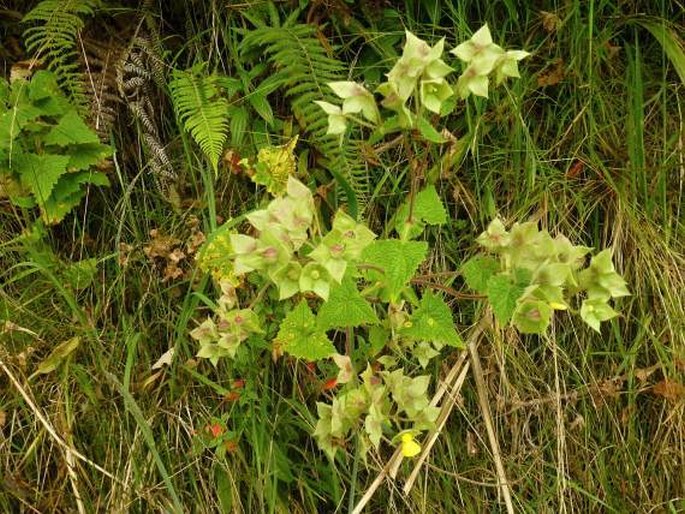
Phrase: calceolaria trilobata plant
(347, 295)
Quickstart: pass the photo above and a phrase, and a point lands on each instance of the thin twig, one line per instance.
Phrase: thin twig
(435, 433)
(50, 429)
(453, 382)
(397, 456)
(489, 426)
(392, 466)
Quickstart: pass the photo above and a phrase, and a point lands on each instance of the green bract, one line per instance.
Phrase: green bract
(419, 60)
(483, 57)
(222, 339)
(356, 99)
(337, 123)
(537, 274)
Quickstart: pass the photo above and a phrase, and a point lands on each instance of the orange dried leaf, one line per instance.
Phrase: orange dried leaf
(669, 389)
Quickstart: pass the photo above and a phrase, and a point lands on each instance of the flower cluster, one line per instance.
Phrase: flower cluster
(381, 398)
(484, 57)
(222, 337)
(548, 269)
(279, 250)
(421, 73)
(282, 251)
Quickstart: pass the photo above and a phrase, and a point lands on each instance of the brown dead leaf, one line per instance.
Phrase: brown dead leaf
(171, 272)
(550, 21)
(642, 374)
(552, 74)
(3, 418)
(669, 389)
(124, 254)
(23, 70)
(195, 241)
(176, 256)
(160, 245)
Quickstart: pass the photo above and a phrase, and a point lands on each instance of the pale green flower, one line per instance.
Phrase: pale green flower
(433, 93)
(418, 60)
(472, 82)
(337, 124)
(356, 98)
(483, 57)
(507, 65)
(246, 256)
(315, 278)
(287, 279)
(206, 332)
(394, 102)
(479, 51)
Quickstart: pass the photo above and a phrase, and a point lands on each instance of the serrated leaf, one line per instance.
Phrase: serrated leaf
(503, 294)
(399, 261)
(478, 270)
(428, 205)
(71, 130)
(44, 86)
(427, 209)
(345, 308)
(68, 193)
(85, 156)
(40, 173)
(432, 321)
(300, 337)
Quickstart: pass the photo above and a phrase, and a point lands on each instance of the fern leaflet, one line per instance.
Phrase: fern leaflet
(53, 36)
(202, 110)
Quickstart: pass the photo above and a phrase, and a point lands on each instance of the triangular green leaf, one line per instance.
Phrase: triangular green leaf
(40, 173)
(300, 337)
(503, 294)
(53, 210)
(398, 259)
(345, 308)
(427, 209)
(71, 130)
(428, 206)
(478, 270)
(432, 322)
(85, 156)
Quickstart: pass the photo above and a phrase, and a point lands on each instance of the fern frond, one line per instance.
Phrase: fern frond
(203, 111)
(303, 67)
(53, 37)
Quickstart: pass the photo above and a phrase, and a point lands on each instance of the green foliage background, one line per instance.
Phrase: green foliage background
(588, 143)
